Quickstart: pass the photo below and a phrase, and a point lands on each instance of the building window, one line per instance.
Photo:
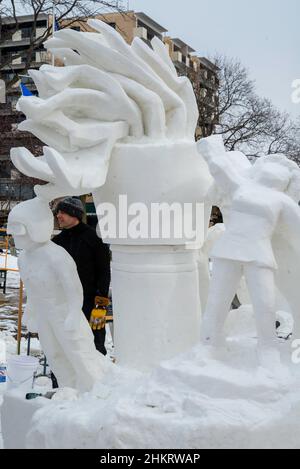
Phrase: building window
(9, 76)
(151, 33)
(203, 92)
(5, 169)
(7, 57)
(26, 32)
(12, 99)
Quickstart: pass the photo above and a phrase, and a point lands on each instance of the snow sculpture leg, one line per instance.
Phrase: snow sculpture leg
(261, 288)
(71, 355)
(260, 282)
(204, 278)
(219, 299)
(65, 374)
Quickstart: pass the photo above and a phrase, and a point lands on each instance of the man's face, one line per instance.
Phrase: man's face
(66, 221)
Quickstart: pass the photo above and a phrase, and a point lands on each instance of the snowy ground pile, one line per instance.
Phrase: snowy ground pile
(197, 400)
(193, 401)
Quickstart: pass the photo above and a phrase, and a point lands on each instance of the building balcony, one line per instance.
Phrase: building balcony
(24, 19)
(21, 66)
(140, 32)
(149, 24)
(177, 57)
(15, 44)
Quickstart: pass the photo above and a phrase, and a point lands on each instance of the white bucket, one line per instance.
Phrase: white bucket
(20, 371)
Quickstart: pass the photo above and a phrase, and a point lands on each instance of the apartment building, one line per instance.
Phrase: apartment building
(14, 45)
(206, 84)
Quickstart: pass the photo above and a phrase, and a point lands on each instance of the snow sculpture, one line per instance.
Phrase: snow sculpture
(119, 121)
(107, 92)
(54, 298)
(262, 208)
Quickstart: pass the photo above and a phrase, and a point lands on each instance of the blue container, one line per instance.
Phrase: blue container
(2, 374)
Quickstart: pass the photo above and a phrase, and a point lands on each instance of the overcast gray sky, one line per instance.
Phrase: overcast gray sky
(263, 34)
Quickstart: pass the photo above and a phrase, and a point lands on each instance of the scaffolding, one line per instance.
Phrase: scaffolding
(6, 247)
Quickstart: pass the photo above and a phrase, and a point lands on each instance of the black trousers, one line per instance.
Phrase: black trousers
(99, 336)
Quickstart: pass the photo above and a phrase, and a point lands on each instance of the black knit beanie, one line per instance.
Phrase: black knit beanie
(72, 206)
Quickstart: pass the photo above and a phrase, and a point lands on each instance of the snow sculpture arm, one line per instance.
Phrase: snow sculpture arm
(29, 317)
(69, 280)
(107, 92)
(213, 151)
(290, 219)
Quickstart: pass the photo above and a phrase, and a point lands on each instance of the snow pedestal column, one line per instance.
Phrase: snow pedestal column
(155, 281)
(156, 301)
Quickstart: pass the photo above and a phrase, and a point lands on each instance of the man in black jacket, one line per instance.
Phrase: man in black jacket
(90, 254)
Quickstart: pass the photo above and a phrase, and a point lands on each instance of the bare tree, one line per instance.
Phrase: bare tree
(4, 8)
(248, 122)
(68, 12)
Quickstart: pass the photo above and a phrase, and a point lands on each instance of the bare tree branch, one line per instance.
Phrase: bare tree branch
(248, 122)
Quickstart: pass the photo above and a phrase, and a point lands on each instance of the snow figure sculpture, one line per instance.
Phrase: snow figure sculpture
(215, 196)
(120, 122)
(54, 298)
(261, 207)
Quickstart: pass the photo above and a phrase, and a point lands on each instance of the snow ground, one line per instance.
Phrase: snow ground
(144, 398)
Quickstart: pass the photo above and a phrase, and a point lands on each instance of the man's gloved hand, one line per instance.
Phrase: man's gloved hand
(98, 314)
